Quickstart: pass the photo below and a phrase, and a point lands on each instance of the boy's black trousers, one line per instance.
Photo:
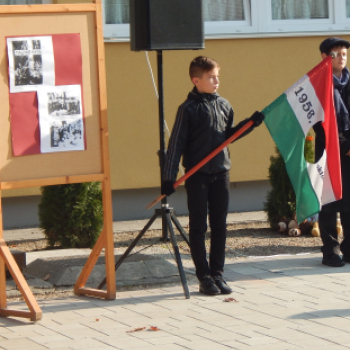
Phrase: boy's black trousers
(208, 194)
(328, 229)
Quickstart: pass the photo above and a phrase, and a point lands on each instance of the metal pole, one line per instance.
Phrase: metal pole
(165, 231)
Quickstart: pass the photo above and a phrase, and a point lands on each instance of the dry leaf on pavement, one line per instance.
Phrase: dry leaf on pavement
(230, 299)
(136, 330)
(46, 277)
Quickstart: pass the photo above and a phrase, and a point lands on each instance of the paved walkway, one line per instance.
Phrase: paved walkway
(281, 302)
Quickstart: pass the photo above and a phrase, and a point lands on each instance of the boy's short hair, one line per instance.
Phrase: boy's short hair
(328, 44)
(200, 65)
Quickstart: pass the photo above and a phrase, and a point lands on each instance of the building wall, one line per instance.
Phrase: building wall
(21, 212)
(254, 72)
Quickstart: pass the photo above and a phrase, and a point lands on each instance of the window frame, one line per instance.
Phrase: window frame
(115, 31)
(269, 25)
(337, 20)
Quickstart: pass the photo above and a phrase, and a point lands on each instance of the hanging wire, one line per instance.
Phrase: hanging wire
(151, 71)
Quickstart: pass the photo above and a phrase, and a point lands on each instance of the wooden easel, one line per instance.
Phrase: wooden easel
(65, 167)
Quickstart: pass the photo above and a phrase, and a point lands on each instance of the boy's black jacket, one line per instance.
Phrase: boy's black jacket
(203, 122)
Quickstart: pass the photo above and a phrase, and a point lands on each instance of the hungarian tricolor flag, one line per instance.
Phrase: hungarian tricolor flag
(289, 118)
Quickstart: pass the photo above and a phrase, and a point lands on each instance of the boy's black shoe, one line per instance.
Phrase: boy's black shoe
(222, 285)
(333, 260)
(208, 286)
(346, 258)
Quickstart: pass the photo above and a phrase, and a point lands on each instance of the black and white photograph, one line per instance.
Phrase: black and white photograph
(61, 103)
(31, 63)
(60, 119)
(66, 134)
(28, 62)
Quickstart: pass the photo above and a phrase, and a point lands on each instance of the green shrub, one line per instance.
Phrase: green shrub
(71, 215)
(280, 200)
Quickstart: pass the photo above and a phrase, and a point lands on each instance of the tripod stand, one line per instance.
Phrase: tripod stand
(166, 213)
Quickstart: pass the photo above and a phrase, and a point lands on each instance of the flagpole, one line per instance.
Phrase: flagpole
(204, 161)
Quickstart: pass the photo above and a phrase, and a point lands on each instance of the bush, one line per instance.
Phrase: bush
(281, 201)
(71, 215)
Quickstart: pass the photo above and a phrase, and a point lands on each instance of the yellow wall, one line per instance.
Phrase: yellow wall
(253, 73)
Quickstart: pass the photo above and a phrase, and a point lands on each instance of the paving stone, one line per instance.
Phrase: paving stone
(158, 347)
(200, 344)
(259, 340)
(123, 341)
(56, 338)
(21, 343)
(276, 346)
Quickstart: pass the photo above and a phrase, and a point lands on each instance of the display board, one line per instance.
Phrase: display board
(39, 169)
(58, 164)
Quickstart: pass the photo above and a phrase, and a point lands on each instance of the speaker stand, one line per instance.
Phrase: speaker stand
(166, 213)
(170, 217)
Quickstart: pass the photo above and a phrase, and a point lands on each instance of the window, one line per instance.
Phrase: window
(219, 10)
(227, 17)
(304, 16)
(235, 17)
(297, 15)
(299, 9)
(116, 18)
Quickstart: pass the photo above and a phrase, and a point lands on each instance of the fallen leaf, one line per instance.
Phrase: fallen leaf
(136, 330)
(46, 277)
(228, 300)
(153, 328)
(184, 248)
(97, 319)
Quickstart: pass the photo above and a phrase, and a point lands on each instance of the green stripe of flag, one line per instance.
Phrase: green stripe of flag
(290, 139)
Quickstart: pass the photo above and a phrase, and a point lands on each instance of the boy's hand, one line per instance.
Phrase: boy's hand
(257, 118)
(167, 188)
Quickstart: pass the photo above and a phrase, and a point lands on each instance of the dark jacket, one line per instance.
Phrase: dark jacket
(344, 147)
(203, 122)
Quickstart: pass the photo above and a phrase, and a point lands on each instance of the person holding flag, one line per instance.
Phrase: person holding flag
(337, 47)
(203, 123)
(320, 100)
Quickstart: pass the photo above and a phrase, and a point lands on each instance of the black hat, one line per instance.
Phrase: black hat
(327, 44)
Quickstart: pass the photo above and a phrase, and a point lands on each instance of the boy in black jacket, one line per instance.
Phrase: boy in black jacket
(203, 122)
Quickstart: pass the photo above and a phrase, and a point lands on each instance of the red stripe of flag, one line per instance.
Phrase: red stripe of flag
(324, 92)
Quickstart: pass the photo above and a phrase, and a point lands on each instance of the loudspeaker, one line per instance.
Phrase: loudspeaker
(166, 25)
